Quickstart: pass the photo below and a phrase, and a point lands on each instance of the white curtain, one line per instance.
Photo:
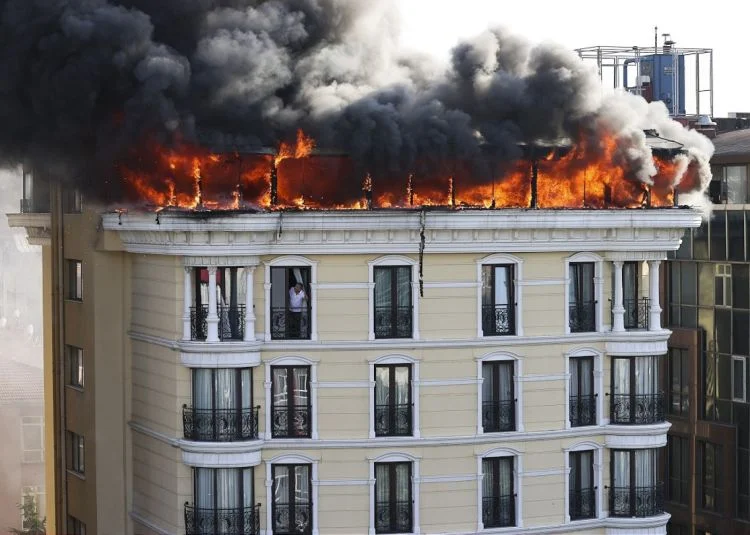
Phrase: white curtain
(247, 487)
(645, 468)
(581, 287)
(621, 469)
(382, 385)
(403, 482)
(629, 281)
(402, 385)
(646, 375)
(581, 374)
(226, 389)
(279, 382)
(246, 380)
(281, 484)
(300, 388)
(622, 376)
(403, 291)
(302, 484)
(227, 488)
(497, 476)
(502, 285)
(204, 488)
(503, 379)
(202, 388)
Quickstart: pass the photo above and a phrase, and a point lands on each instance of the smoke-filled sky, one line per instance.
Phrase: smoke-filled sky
(85, 82)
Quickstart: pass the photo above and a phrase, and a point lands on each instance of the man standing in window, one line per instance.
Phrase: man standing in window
(297, 303)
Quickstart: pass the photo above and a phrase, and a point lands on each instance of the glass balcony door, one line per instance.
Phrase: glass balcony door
(393, 306)
(498, 301)
(222, 407)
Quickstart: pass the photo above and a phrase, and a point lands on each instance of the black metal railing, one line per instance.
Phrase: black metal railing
(582, 316)
(498, 511)
(636, 313)
(199, 322)
(393, 420)
(289, 324)
(208, 521)
(582, 410)
(582, 503)
(393, 322)
(499, 416)
(220, 425)
(231, 322)
(498, 320)
(636, 501)
(290, 421)
(393, 517)
(292, 518)
(636, 409)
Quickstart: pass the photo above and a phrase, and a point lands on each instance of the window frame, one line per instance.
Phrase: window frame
(743, 397)
(517, 388)
(75, 526)
(292, 261)
(497, 366)
(293, 459)
(394, 298)
(292, 490)
(290, 407)
(393, 261)
(76, 456)
(574, 361)
(723, 276)
(517, 487)
(510, 297)
(37, 494)
(391, 396)
(239, 472)
(632, 388)
(74, 363)
(38, 453)
(682, 480)
(392, 466)
(715, 491)
(501, 259)
(684, 398)
(632, 475)
(288, 361)
(74, 280)
(578, 258)
(577, 455)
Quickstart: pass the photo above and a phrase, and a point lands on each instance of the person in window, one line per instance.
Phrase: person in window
(297, 304)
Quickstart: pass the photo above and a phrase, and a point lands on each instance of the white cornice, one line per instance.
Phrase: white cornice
(637, 436)
(37, 227)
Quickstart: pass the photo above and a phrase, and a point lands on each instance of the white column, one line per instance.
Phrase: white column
(249, 306)
(654, 320)
(618, 311)
(187, 296)
(213, 316)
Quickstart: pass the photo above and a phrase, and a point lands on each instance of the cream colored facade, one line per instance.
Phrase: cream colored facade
(138, 271)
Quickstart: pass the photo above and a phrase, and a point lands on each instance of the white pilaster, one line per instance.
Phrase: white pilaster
(618, 311)
(654, 321)
(213, 316)
(249, 305)
(187, 296)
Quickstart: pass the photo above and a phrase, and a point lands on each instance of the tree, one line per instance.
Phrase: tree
(30, 513)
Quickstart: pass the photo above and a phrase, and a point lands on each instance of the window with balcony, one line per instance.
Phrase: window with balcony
(75, 526)
(393, 313)
(291, 305)
(74, 291)
(723, 285)
(498, 396)
(223, 503)
(393, 500)
(679, 377)
(393, 404)
(74, 363)
(636, 314)
(75, 452)
(222, 406)
(581, 297)
(229, 306)
(635, 490)
(498, 493)
(739, 379)
(710, 492)
(581, 486)
(292, 405)
(582, 401)
(678, 469)
(498, 300)
(635, 397)
(292, 499)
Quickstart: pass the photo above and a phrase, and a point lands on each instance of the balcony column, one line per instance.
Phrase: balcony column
(618, 311)
(249, 306)
(213, 316)
(187, 295)
(654, 320)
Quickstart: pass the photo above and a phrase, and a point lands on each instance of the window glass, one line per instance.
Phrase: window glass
(686, 246)
(740, 286)
(736, 179)
(738, 378)
(688, 283)
(740, 332)
(736, 231)
(723, 329)
(718, 235)
(700, 242)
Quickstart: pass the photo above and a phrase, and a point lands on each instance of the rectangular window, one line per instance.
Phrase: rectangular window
(635, 490)
(393, 500)
(582, 490)
(710, 493)
(75, 365)
(32, 500)
(291, 304)
(498, 301)
(678, 469)
(679, 376)
(32, 439)
(735, 177)
(739, 379)
(393, 306)
(498, 494)
(498, 396)
(292, 499)
(718, 235)
(292, 404)
(75, 287)
(75, 526)
(723, 285)
(636, 397)
(72, 201)
(581, 300)
(75, 453)
(582, 401)
(393, 400)
(222, 406)
(636, 307)
(223, 497)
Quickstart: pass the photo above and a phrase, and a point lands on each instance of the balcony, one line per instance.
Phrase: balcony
(393, 517)
(237, 521)
(498, 511)
(582, 317)
(393, 420)
(220, 425)
(292, 421)
(231, 322)
(636, 409)
(636, 502)
(636, 315)
(582, 410)
(499, 416)
(393, 322)
(582, 503)
(498, 320)
(290, 325)
(294, 518)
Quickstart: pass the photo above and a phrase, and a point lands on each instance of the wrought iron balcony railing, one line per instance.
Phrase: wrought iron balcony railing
(393, 517)
(582, 503)
(393, 322)
(499, 416)
(582, 410)
(636, 409)
(636, 315)
(290, 421)
(499, 511)
(582, 316)
(208, 521)
(199, 322)
(498, 320)
(292, 518)
(636, 501)
(220, 425)
(287, 324)
(393, 420)
(231, 322)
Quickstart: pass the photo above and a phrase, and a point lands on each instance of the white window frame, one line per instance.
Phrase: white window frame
(598, 382)
(598, 288)
(396, 359)
(36, 454)
(75, 293)
(297, 458)
(744, 378)
(292, 361)
(292, 261)
(598, 450)
(415, 480)
(723, 272)
(517, 487)
(393, 260)
(70, 351)
(37, 493)
(517, 264)
(517, 388)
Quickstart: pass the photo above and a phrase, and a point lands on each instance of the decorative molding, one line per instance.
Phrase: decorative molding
(452, 284)
(541, 377)
(653, 525)
(633, 348)
(637, 436)
(448, 479)
(220, 261)
(222, 460)
(449, 382)
(346, 384)
(161, 437)
(154, 340)
(634, 256)
(543, 473)
(342, 286)
(216, 359)
(543, 282)
(344, 482)
(142, 520)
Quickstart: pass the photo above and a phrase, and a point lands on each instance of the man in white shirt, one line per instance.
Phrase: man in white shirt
(297, 304)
